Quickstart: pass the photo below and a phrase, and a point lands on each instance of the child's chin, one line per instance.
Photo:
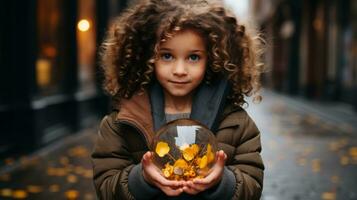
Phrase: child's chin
(180, 94)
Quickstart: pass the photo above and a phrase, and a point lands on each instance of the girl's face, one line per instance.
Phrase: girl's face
(181, 63)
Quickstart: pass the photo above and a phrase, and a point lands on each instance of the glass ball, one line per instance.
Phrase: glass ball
(184, 149)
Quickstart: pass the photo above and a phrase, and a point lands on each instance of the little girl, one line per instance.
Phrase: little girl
(170, 59)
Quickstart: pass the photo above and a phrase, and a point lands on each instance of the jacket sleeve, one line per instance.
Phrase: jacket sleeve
(246, 163)
(111, 162)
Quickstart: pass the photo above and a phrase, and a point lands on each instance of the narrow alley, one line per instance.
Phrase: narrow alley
(310, 152)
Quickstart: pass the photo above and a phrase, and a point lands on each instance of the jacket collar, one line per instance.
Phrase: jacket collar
(208, 103)
(136, 111)
(146, 111)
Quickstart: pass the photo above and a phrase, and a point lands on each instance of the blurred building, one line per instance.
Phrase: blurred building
(49, 79)
(312, 47)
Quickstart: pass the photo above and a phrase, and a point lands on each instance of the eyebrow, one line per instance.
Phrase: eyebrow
(192, 51)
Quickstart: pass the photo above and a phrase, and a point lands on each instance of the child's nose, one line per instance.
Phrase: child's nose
(180, 68)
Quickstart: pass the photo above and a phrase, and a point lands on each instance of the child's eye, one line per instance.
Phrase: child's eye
(194, 57)
(166, 56)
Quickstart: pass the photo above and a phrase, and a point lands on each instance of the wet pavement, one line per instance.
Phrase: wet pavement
(309, 149)
(60, 171)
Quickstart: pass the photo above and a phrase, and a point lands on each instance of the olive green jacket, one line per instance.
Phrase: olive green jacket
(125, 136)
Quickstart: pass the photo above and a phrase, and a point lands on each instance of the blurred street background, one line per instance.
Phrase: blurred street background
(51, 99)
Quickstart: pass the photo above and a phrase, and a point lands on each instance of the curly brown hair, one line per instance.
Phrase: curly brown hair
(131, 45)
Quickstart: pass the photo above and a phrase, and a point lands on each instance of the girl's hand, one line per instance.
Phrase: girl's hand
(153, 176)
(198, 185)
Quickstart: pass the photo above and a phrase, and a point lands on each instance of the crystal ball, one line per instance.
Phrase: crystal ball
(184, 149)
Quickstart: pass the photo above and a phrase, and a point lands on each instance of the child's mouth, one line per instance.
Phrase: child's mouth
(179, 82)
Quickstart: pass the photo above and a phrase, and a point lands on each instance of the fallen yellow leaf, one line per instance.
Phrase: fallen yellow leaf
(190, 152)
(88, 173)
(6, 192)
(328, 196)
(162, 148)
(353, 152)
(210, 154)
(19, 194)
(203, 162)
(79, 151)
(181, 163)
(72, 178)
(72, 194)
(167, 171)
(195, 149)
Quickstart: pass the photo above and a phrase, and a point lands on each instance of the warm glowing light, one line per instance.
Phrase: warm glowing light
(43, 72)
(83, 25)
